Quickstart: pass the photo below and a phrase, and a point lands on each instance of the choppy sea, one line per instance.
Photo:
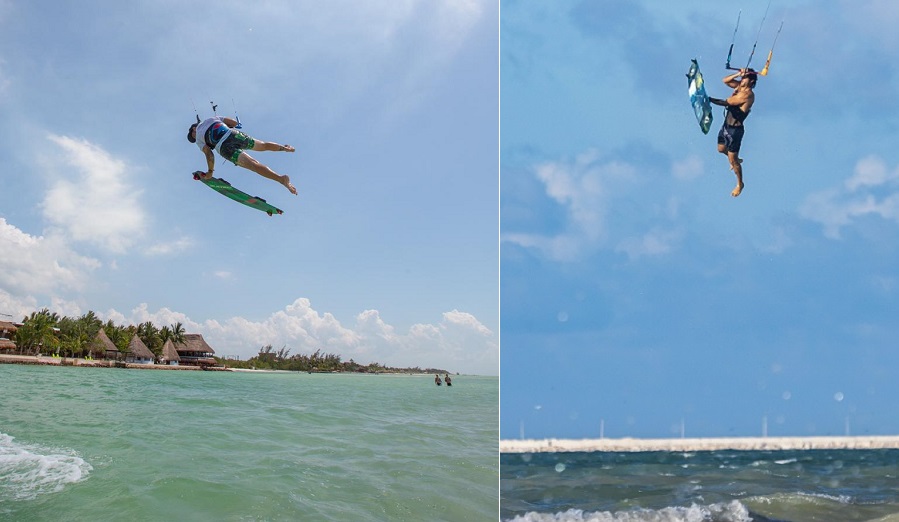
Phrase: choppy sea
(119, 444)
(704, 486)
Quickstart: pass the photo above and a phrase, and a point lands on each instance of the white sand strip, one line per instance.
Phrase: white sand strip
(705, 444)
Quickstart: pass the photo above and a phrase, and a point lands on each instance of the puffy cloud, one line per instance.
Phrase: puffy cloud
(91, 199)
(172, 247)
(459, 342)
(654, 242)
(587, 190)
(871, 190)
(40, 264)
(688, 169)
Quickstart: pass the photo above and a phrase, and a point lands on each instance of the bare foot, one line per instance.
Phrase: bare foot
(285, 180)
(737, 190)
(739, 160)
(287, 148)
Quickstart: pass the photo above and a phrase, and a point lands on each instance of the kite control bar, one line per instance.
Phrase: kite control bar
(764, 71)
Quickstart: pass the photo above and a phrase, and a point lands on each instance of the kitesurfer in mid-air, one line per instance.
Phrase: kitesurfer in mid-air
(220, 134)
(737, 108)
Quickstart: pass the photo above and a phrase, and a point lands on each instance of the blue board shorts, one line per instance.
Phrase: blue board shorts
(234, 144)
(731, 138)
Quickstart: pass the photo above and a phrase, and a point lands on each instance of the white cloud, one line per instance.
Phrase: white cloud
(870, 171)
(459, 342)
(688, 169)
(40, 264)
(653, 243)
(91, 199)
(162, 249)
(871, 190)
(585, 188)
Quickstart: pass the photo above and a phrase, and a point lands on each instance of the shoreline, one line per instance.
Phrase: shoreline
(47, 360)
(699, 444)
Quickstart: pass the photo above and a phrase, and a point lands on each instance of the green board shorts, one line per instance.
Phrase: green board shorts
(234, 144)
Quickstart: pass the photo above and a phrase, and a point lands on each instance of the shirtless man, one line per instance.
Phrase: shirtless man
(221, 134)
(737, 106)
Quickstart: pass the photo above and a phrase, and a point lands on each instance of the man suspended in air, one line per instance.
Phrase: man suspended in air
(737, 108)
(221, 134)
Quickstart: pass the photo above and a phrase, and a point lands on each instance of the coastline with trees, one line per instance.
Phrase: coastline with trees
(45, 337)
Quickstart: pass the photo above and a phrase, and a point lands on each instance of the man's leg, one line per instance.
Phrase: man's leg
(248, 162)
(271, 146)
(735, 165)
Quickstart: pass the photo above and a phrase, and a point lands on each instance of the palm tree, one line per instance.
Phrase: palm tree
(117, 334)
(165, 334)
(149, 334)
(38, 332)
(75, 338)
(178, 333)
(91, 323)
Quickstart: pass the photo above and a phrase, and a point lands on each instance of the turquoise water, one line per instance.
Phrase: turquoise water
(702, 486)
(116, 444)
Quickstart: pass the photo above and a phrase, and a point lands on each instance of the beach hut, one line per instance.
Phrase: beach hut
(170, 354)
(138, 352)
(101, 345)
(7, 330)
(194, 351)
(7, 346)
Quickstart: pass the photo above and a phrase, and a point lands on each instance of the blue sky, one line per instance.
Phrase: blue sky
(388, 254)
(636, 293)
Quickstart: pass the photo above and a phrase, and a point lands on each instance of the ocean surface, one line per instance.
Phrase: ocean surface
(142, 445)
(702, 486)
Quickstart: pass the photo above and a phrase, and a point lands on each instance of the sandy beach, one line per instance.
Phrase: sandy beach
(91, 363)
(699, 444)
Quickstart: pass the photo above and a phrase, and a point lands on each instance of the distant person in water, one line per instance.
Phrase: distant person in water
(737, 108)
(446, 378)
(437, 379)
(221, 134)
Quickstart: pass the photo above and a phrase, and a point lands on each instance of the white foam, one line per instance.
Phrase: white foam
(731, 512)
(27, 471)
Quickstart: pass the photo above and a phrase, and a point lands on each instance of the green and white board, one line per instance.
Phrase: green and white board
(223, 187)
(698, 97)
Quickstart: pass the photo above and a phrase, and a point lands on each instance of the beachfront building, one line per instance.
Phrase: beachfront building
(170, 354)
(138, 352)
(102, 346)
(194, 351)
(7, 331)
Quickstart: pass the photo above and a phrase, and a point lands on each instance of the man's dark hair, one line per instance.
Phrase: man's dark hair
(752, 77)
(192, 139)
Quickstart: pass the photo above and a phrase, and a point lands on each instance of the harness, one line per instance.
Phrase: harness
(215, 135)
(735, 116)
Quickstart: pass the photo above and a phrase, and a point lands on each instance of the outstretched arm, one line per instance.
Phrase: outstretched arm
(229, 122)
(210, 162)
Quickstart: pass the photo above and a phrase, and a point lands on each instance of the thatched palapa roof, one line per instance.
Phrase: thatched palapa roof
(193, 343)
(139, 350)
(6, 326)
(169, 353)
(6, 344)
(101, 343)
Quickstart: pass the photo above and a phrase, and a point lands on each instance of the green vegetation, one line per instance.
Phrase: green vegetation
(269, 359)
(46, 332)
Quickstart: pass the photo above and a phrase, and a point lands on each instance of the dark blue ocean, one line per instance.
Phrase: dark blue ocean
(704, 486)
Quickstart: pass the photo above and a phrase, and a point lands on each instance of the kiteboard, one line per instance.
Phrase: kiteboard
(698, 97)
(223, 187)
